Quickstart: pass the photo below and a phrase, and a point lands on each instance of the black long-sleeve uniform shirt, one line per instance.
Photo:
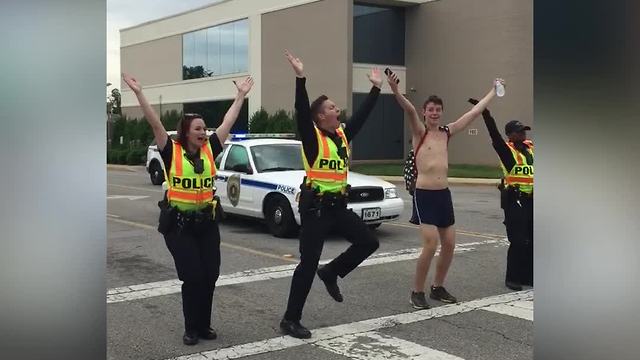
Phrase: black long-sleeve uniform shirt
(501, 146)
(306, 125)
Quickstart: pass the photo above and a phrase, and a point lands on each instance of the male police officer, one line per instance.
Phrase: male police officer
(323, 201)
(516, 158)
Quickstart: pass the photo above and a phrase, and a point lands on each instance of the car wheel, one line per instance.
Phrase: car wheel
(279, 217)
(155, 173)
(374, 226)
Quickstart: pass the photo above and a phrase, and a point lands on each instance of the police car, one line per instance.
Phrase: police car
(260, 175)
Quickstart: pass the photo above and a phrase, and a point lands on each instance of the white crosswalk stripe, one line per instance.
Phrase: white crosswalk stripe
(377, 346)
(361, 339)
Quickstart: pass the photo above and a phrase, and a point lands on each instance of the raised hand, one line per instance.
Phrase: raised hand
(133, 84)
(244, 86)
(295, 62)
(375, 77)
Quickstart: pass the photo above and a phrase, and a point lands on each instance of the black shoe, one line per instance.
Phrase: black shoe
(418, 301)
(208, 334)
(331, 283)
(441, 294)
(513, 285)
(295, 329)
(190, 337)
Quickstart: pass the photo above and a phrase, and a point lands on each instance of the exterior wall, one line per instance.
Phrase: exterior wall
(154, 62)
(455, 48)
(324, 50)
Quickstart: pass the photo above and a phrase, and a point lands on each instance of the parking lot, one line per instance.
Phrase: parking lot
(374, 322)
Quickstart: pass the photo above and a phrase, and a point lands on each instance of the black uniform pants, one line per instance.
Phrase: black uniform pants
(196, 254)
(519, 223)
(313, 233)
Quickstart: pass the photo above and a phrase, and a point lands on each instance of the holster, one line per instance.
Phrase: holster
(219, 211)
(307, 201)
(168, 217)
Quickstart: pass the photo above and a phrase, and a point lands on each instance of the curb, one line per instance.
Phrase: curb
(455, 181)
(129, 168)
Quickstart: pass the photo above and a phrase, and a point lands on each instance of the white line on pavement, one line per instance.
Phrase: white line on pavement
(358, 327)
(517, 309)
(377, 346)
(159, 288)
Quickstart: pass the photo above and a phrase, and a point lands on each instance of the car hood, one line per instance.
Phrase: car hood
(294, 178)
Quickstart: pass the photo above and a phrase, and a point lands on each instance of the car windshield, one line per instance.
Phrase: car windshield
(277, 157)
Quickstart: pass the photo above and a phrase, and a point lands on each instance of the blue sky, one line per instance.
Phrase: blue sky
(126, 13)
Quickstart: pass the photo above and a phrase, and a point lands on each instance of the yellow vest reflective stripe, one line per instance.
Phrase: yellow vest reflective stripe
(329, 171)
(188, 190)
(521, 175)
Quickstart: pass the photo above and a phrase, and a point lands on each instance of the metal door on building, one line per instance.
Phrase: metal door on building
(382, 136)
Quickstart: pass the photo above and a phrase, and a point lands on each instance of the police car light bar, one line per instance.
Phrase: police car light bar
(263, 136)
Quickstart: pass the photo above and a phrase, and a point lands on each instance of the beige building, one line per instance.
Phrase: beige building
(452, 48)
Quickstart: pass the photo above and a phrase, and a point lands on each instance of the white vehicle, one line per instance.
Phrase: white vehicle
(260, 177)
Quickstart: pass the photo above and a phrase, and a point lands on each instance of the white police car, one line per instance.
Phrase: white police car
(260, 175)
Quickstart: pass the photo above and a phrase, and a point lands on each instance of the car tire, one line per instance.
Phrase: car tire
(279, 217)
(155, 173)
(373, 226)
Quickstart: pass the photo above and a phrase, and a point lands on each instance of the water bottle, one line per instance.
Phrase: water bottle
(499, 89)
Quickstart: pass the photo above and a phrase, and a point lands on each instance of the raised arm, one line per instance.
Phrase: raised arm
(303, 110)
(417, 126)
(358, 118)
(496, 139)
(231, 116)
(159, 132)
(472, 114)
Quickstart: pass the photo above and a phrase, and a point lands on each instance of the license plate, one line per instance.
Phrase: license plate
(370, 214)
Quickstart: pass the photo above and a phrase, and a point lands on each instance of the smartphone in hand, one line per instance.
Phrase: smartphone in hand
(388, 72)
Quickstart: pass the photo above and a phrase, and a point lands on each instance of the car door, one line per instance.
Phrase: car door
(237, 197)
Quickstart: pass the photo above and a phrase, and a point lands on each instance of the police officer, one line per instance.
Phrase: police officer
(187, 215)
(323, 200)
(516, 158)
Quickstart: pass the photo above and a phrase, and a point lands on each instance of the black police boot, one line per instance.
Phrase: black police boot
(190, 337)
(208, 334)
(295, 329)
(330, 282)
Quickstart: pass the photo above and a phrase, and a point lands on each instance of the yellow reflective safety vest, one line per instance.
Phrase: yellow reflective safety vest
(329, 172)
(521, 175)
(189, 191)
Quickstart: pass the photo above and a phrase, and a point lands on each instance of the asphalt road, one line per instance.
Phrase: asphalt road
(374, 322)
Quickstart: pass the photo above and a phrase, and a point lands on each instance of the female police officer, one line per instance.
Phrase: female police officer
(188, 211)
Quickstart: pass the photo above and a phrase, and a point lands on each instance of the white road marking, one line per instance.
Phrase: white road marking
(519, 309)
(130, 197)
(113, 216)
(142, 291)
(377, 346)
(365, 326)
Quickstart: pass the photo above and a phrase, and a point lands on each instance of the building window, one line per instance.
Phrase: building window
(215, 51)
(388, 25)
